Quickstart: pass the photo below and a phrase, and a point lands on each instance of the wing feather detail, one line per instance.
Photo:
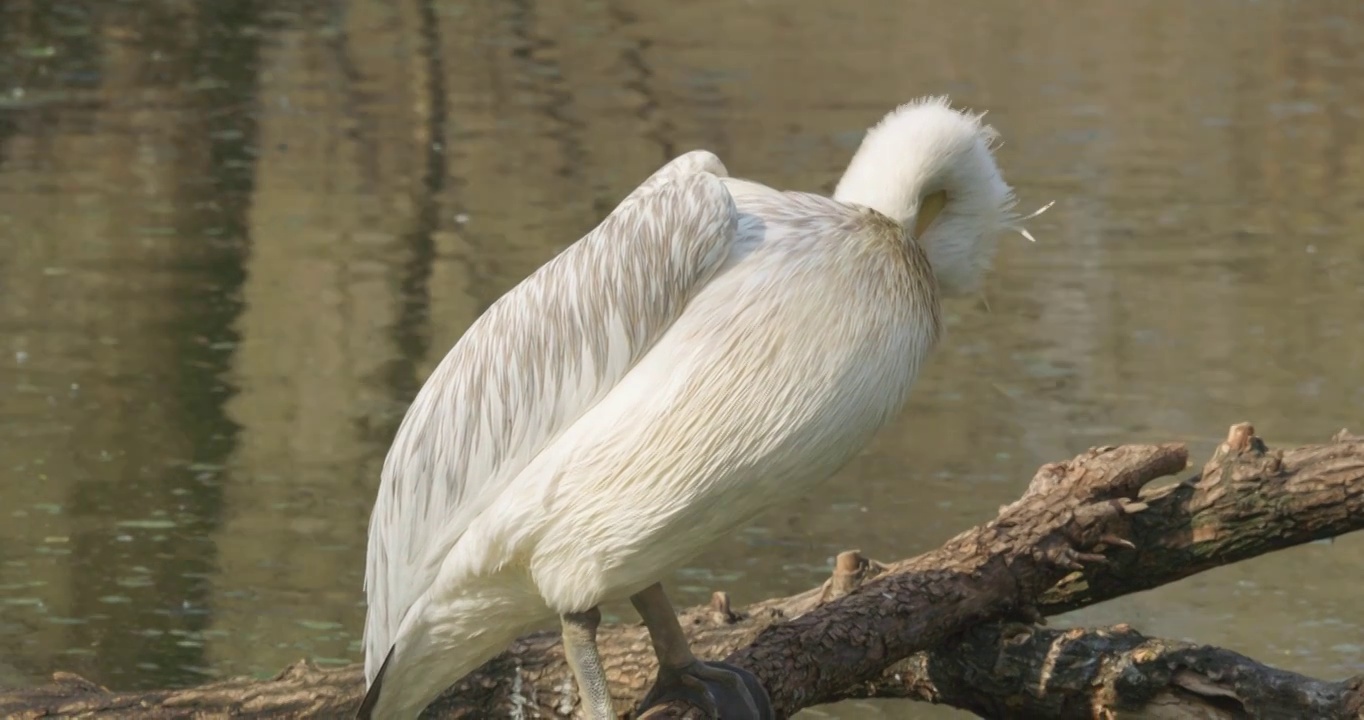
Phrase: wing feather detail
(540, 357)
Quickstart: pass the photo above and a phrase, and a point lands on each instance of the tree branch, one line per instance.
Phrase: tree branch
(1247, 501)
(1005, 670)
(1039, 556)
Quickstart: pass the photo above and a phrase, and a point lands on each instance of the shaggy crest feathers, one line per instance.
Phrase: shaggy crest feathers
(918, 149)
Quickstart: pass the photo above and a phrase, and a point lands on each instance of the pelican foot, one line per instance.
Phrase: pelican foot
(726, 691)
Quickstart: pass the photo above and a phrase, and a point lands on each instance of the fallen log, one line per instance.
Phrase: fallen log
(1004, 670)
(1083, 532)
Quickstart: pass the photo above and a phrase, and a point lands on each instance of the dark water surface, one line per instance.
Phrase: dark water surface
(235, 236)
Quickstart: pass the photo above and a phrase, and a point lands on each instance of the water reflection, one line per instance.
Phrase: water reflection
(240, 234)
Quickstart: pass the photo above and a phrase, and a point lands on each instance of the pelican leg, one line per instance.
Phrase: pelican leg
(731, 692)
(580, 649)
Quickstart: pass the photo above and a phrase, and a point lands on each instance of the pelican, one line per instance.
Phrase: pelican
(713, 347)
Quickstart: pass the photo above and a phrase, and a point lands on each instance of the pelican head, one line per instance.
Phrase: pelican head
(931, 168)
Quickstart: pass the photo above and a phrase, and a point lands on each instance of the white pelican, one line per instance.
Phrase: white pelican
(713, 347)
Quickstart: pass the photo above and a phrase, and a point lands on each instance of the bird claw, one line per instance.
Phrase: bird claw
(1118, 541)
(725, 691)
(1068, 558)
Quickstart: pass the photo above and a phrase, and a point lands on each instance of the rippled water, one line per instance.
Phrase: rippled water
(236, 237)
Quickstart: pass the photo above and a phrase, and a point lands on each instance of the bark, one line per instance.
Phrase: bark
(942, 627)
(1004, 670)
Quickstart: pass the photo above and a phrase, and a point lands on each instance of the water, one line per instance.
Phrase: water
(236, 237)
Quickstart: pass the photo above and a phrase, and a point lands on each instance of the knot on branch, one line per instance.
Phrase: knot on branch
(1242, 456)
(301, 671)
(720, 610)
(851, 571)
(72, 682)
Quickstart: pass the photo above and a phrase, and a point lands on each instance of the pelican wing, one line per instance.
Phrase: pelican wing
(540, 357)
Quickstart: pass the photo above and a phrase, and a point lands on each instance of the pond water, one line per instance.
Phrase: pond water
(235, 237)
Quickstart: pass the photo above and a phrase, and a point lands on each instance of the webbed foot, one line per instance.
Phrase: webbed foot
(727, 691)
